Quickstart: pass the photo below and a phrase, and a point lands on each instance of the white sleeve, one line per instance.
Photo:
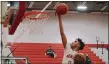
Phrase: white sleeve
(67, 46)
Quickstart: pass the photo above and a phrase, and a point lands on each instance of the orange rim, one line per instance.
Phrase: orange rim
(27, 14)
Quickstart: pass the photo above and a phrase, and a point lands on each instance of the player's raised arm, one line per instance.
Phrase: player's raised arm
(63, 36)
(62, 9)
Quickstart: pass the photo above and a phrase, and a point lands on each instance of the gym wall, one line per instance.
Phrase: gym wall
(82, 25)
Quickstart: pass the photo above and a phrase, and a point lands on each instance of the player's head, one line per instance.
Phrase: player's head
(50, 47)
(78, 43)
(79, 59)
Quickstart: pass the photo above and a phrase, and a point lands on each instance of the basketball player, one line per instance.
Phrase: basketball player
(50, 52)
(70, 50)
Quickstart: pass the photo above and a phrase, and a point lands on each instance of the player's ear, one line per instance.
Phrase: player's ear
(78, 45)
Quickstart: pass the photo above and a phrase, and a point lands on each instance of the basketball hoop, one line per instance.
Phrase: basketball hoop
(33, 15)
(36, 20)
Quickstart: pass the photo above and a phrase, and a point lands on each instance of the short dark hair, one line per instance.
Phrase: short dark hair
(50, 46)
(81, 44)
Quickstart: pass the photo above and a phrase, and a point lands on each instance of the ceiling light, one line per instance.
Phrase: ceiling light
(81, 7)
(8, 4)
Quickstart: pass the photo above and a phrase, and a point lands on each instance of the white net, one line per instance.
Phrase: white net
(36, 21)
(33, 23)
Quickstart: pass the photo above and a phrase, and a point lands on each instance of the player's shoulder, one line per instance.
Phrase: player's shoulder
(68, 45)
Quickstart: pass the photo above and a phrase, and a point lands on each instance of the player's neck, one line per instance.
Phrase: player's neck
(74, 48)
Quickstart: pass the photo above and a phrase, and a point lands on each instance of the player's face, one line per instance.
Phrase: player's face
(49, 47)
(75, 43)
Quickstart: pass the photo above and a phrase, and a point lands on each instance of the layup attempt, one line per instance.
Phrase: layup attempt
(71, 49)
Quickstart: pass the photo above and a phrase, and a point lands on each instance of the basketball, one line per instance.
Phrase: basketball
(61, 9)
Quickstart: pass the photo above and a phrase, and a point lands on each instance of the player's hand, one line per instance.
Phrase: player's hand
(45, 54)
